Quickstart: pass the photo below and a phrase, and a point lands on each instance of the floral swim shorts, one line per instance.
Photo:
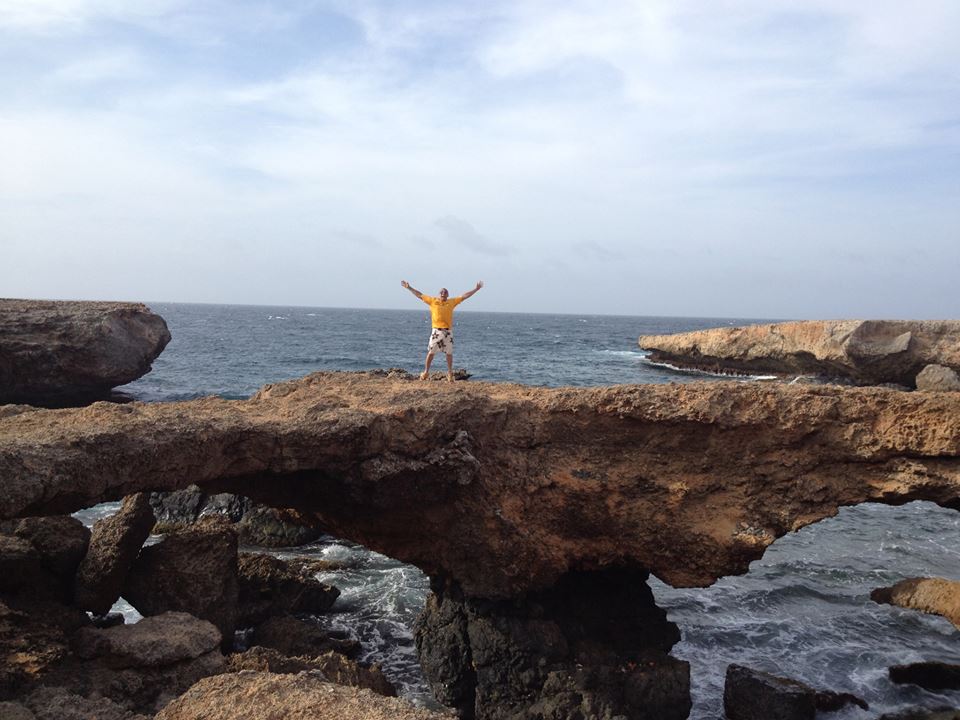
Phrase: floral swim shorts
(441, 340)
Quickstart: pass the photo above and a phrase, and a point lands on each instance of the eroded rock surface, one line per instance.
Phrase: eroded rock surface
(937, 378)
(938, 596)
(192, 571)
(114, 544)
(865, 352)
(54, 352)
(504, 488)
(263, 695)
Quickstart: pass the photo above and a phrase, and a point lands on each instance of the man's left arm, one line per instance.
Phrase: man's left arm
(470, 293)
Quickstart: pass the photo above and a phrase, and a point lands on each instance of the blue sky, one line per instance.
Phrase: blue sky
(757, 158)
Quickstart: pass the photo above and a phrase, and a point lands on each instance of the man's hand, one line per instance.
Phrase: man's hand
(470, 293)
(404, 284)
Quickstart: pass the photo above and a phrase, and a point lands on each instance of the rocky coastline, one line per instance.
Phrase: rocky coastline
(858, 352)
(538, 514)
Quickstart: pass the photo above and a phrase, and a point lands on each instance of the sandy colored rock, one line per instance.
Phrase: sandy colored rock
(937, 378)
(53, 352)
(863, 351)
(262, 696)
(938, 596)
(59, 704)
(334, 667)
(114, 544)
(504, 487)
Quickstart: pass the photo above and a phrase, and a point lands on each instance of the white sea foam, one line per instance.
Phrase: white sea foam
(708, 373)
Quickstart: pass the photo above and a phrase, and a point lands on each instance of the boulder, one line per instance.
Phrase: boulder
(273, 527)
(43, 559)
(270, 586)
(755, 695)
(937, 378)
(55, 353)
(142, 666)
(938, 596)
(291, 636)
(177, 509)
(154, 641)
(334, 667)
(750, 694)
(928, 675)
(865, 352)
(60, 704)
(304, 696)
(114, 545)
(192, 571)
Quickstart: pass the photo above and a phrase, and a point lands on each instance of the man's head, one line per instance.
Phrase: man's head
(444, 294)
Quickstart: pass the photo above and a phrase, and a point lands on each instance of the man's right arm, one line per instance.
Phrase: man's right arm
(411, 288)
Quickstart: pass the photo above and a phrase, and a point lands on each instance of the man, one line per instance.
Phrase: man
(441, 317)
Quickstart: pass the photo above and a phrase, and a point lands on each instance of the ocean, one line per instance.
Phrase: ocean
(803, 611)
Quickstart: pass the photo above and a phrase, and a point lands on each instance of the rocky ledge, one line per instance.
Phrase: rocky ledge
(864, 352)
(538, 513)
(55, 353)
(504, 488)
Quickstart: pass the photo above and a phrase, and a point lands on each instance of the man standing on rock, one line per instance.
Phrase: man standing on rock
(441, 317)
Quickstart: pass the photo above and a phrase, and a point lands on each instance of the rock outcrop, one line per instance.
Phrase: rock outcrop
(938, 596)
(937, 378)
(865, 352)
(750, 694)
(61, 353)
(192, 571)
(505, 488)
(269, 586)
(929, 675)
(305, 696)
(114, 544)
(521, 503)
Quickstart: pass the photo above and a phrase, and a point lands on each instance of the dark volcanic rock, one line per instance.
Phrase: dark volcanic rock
(43, 559)
(291, 636)
(942, 713)
(192, 571)
(272, 527)
(595, 646)
(269, 586)
(114, 546)
(55, 352)
(754, 695)
(929, 675)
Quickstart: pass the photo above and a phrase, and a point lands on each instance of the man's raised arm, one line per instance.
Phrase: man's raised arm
(411, 288)
(469, 293)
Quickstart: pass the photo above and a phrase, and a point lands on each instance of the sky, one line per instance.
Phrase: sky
(731, 158)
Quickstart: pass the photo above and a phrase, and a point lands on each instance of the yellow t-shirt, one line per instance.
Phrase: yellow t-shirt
(441, 313)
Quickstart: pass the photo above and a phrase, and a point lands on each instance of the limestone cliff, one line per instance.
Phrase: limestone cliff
(862, 351)
(503, 489)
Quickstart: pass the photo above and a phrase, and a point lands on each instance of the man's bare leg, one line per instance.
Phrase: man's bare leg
(426, 370)
(449, 367)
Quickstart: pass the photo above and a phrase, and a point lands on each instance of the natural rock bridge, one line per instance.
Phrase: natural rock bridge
(536, 512)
